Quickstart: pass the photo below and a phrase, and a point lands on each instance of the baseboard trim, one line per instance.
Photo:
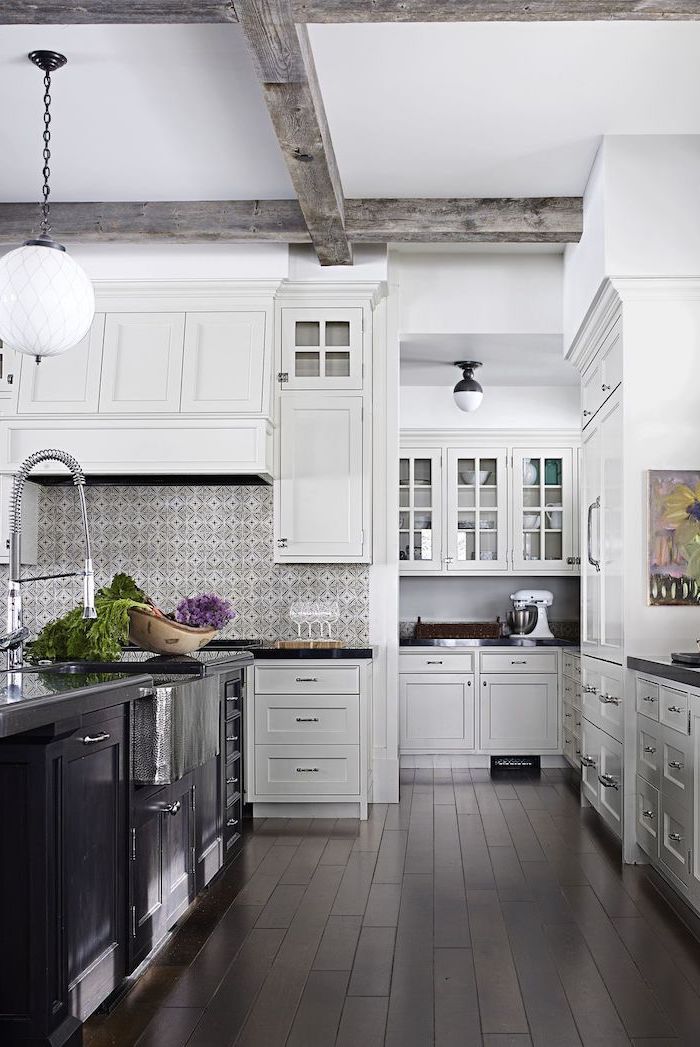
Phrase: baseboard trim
(475, 760)
(306, 810)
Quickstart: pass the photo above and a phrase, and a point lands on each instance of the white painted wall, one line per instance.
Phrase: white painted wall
(503, 407)
(449, 291)
(481, 599)
(584, 263)
(370, 262)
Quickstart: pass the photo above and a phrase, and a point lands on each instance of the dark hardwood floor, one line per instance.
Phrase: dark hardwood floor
(475, 912)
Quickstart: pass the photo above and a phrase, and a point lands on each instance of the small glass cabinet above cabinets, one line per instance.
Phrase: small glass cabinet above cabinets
(477, 524)
(420, 510)
(543, 519)
(321, 348)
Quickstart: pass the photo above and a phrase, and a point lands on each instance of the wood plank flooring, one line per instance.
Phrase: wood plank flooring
(474, 913)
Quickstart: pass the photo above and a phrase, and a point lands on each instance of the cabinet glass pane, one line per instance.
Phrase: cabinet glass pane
(488, 520)
(422, 521)
(404, 497)
(404, 545)
(553, 545)
(307, 365)
(532, 521)
(553, 520)
(466, 545)
(337, 332)
(488, 545)
(423, 497)
(552, 472)
(337, 365)
(488, 497)
(466, 472)
(422, 472)
(466, 521)
(404, 471)
(531, 472)
(307, 332)
(531, 497)
(423, 545)
(466, 498)
(531, 545)
(404, 521)
(488, 472)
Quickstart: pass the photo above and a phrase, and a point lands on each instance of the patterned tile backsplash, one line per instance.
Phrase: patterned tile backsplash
(177, 541)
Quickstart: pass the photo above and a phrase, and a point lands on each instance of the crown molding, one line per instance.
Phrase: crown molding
(599, 318)
(107, 289)
(489, 437)
(330, 290)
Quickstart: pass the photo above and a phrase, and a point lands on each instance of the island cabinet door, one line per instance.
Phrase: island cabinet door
(207, 821)
(148, 888)
(94, 803)
(519, 712)
(179, 817)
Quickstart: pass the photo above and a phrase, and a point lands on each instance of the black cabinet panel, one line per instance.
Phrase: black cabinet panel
(148, 880)
(180, 848)
(207, 822)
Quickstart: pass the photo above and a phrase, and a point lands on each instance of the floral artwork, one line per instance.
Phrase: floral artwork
(674, 538)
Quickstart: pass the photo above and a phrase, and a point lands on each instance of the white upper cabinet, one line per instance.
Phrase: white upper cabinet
(321, 348)
(65, 384)
(10, 362)
(142, 363)
(224, 362)
(477, 499)
(320, 501)
(420, 510)
(543, 511)
(604, 375)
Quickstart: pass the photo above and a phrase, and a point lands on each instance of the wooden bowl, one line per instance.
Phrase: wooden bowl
(163, 635)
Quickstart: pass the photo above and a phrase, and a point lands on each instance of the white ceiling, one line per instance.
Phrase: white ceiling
(139, 112)
(498, 109)
(520, 360)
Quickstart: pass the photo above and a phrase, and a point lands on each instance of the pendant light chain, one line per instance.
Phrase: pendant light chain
(46, 154)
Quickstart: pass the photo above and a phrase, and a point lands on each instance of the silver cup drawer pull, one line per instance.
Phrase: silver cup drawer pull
(232, 781)
(608, 781)
(518, 661)
(676, 765)
(650, 749)
(172, 808)
(93, 739)
(588, 761)
(609, 699)
(307, 770)
(675, 709)
(433, 661)
(588, 689)
(306, 719)
(231, 737)
(307, 679)
(649, 698)
(648, 814)
(232, 823)
(675, 837)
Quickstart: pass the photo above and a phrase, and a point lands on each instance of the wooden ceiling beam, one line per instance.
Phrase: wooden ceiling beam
(116, 12)
(285, 67)
(494, 10)
(543, 220)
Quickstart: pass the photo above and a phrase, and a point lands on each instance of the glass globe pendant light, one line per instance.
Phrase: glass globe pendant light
(46, 300)
(468, 393)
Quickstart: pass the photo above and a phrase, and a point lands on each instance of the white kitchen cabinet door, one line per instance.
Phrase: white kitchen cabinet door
(604, 375)
(420, 510)
(477, 510)
(436, 712)
(142, 363)
(65, 384)
(224, 362)
(30, 520)
(320, 490)
(321, 348)
(610, 781)
(590, 763)
(543, 510)
(10, 363)
(519, 712)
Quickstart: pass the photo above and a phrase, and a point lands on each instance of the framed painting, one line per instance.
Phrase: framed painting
(674, 538)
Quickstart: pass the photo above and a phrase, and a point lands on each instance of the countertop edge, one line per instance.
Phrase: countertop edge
(273, 654)
(666, 670)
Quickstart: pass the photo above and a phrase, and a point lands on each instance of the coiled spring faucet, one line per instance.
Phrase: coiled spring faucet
(15, 654)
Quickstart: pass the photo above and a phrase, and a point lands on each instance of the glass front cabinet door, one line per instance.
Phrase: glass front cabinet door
(420, 524)
(477, 523)
(321, 348)
(543, 516)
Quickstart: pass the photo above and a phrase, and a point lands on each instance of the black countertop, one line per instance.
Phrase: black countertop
(310, 653)
(505, 641)
(663, 667)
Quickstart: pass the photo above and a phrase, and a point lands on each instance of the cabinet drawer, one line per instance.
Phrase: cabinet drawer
(572, 691)
(673, 708)
(287, 719)
(610, 781)
(676, 768)
(437, 662)
(571, 666)
(518, 661)
(568, 746)
(603, 696)
(307, 678)
(647, 818)
(649, 752)
(233, 825)
(647, 698)
(307, 770)
(233, 741)
(568, 718)
(674, 839)
(233, 785)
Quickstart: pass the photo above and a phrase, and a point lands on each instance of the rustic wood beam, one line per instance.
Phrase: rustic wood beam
(494, 10)
(540, 220)
(115, 12)
(191, 221)
(285, 67)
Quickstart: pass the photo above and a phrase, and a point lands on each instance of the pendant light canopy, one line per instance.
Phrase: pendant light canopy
(46, 300)
(468, 393)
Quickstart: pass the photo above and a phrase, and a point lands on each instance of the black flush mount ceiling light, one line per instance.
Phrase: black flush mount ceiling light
(46, 300)
(468, 393)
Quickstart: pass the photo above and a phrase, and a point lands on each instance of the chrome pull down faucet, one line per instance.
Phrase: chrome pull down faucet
(15, 654)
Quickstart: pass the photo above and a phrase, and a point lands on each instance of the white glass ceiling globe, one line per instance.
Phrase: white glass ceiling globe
(468, 399)
(46, 301)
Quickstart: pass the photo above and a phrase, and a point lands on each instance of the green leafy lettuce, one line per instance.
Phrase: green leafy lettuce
(101, 639)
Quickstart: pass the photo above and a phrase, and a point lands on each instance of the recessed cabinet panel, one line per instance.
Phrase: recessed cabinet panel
(437, 712)
(319, 505)
(65, 384)
(224, 362)
(142, 362)
(322, 348)
(519, 712)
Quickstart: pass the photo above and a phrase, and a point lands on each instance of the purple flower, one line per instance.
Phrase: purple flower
(205, 611)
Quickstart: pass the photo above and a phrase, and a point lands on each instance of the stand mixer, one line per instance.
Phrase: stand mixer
(540, 599)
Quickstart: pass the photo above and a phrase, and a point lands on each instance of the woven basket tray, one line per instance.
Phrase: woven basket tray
(457, 630)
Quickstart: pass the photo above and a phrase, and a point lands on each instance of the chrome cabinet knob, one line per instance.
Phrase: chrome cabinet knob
(93, 739)
(675, 709)
(647, 814)
(649, 748)
(675, 837)
(588, 761)
(676, 765)
(172, 808)
(608, 781)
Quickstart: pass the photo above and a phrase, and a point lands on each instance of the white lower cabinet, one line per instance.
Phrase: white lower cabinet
(309, 737)
(519, 712)
(647, 817)
(437, 712)
(602, 775)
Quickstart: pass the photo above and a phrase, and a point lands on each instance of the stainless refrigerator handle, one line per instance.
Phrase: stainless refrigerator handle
(593, 562)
